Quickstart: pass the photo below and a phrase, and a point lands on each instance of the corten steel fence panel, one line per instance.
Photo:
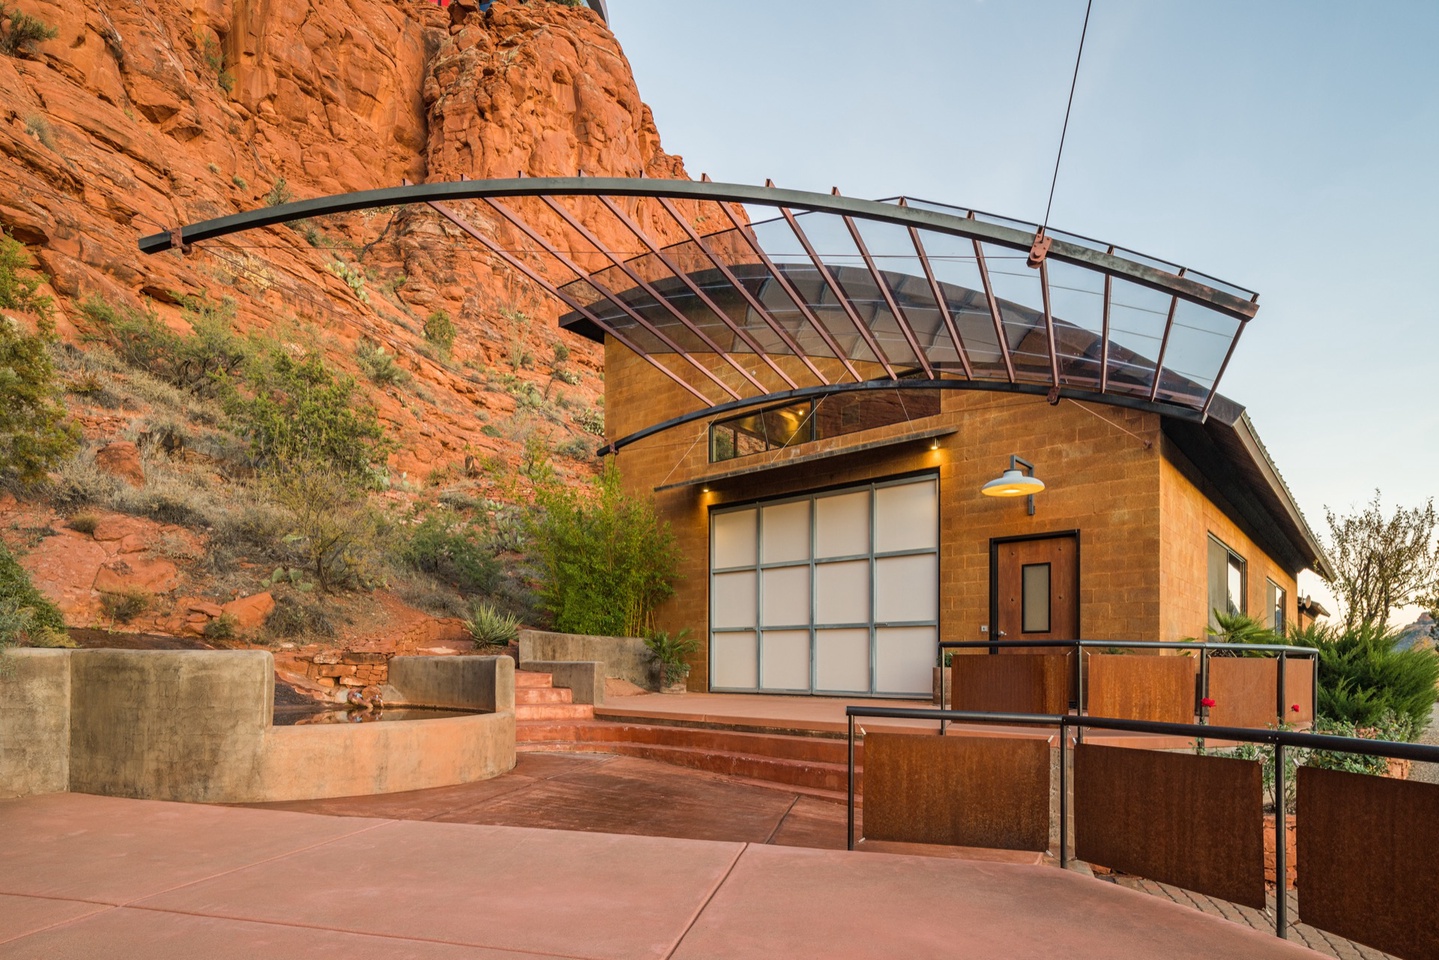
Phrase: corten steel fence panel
(1037, 683)
(1244, 692)
(1141, 687)
(1242, 689)
(958, 791)
(1367, 859)
(1193, 821)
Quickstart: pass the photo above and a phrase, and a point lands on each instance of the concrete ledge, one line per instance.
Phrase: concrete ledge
(463, 683)
(625, 658)
(585, 679)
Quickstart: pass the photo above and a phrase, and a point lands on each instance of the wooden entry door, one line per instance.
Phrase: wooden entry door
(1035, 586)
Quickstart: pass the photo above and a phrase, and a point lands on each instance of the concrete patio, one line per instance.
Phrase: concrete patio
(86, 876)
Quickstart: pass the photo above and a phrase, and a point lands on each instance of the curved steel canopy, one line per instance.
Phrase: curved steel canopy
(861, 293)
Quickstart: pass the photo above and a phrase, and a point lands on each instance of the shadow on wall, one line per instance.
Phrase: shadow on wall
(195, 725)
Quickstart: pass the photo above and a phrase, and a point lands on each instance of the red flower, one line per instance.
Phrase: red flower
(1207, 701)
(1294, 707)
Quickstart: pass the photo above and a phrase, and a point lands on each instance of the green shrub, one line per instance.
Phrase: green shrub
(337, 533)
(225, 627)
(353, 276)
(36, 432)
(379, 364)
(606, 560)
(293, 617)
(39, 128)
(17, 291)
(279, 194)
(85, 523)
(26, 617)
(1362, 677)
(20, 33)
(125, 605)
(440, 330)
(490, 627)
(447, 545)
(1390, 727)
(299, 411)
(590, 420)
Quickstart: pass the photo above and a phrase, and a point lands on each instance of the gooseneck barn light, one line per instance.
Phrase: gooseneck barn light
(1014, 482)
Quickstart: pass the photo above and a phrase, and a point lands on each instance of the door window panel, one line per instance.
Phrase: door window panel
(736, 660)
(734, 539)
(786, 532)
(734, 599)
(841, 527)
(841, 592)
(784, 660)
(786, 596)
(906, 588)
(1034, 598)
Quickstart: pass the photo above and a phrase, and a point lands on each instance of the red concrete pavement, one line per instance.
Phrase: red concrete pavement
(85, 876)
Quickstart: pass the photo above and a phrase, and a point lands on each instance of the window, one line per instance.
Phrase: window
(1034, 598)
(1226, 581)
(782, 426)
(1274, 600)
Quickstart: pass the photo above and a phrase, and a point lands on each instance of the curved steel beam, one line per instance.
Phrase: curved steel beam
(828, 390)
(978, 230)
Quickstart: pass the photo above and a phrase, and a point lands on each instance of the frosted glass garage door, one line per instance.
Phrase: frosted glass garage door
(833, 593)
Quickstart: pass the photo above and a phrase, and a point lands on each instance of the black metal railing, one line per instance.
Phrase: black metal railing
(1278, 738)
(1280, 651)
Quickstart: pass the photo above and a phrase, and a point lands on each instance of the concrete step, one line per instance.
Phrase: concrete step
(826, 780)
(814, 764)
(553, 711)
(543, 695)
(779, 746)
(530, 678)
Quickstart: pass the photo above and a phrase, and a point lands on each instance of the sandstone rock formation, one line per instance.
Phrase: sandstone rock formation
(141, 115)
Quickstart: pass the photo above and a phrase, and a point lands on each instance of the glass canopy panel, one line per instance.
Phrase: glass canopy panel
(831, 239)
(1137, 316)
(1021, 306)
(894, 254)
(1198, 343)
(1076, 298)
(788, 254)
(957, 271)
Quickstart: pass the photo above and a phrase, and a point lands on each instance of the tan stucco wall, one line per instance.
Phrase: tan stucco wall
(1190, 517)
(34, 722)
(1142, 527)
(195, 726)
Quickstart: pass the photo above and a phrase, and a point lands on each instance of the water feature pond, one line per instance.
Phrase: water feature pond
(293, 716)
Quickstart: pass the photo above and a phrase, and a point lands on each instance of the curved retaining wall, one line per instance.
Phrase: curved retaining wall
(195, 725)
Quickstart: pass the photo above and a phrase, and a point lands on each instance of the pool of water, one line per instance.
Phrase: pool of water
(295, 716)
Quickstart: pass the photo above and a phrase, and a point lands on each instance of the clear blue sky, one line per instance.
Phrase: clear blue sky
(1288, 147)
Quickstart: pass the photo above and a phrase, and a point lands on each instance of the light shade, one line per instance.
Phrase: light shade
(1014, 483)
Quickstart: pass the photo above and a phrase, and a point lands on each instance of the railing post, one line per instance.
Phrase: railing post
(1281, 844)
(849, 837)
(1063, 795)
(1203, 681)
(1079, 678)
(1279, 693)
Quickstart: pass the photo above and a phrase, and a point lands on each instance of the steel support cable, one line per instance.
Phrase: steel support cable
(1074, 82)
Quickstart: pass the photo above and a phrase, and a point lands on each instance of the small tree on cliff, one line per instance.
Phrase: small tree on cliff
(20, 32)
(35, 431)
(1380, 562)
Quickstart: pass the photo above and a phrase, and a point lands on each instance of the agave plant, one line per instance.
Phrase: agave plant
(490, 627)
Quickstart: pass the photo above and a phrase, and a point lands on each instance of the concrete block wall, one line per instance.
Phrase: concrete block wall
(1143, 521)
(1190, 517)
